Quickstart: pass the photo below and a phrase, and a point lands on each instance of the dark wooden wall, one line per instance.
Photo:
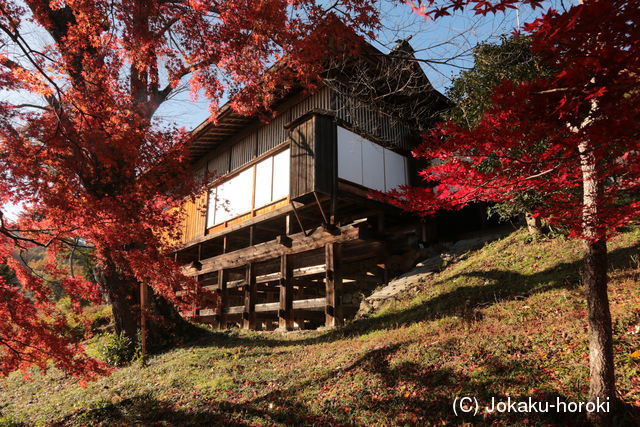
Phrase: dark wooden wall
(313, 148)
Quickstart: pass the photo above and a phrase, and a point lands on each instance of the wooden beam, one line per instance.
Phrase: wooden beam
(267, 307)
(313, 270)
(380, 223)
(285, 313)
(196, 298)
(302, 304)
(309, 271)
(249, 314)
(276, 213)
(310, 304)
(237, 309)
(333, 285)
(272, 249)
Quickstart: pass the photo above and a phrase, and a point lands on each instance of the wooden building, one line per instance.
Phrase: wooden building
(289, 235)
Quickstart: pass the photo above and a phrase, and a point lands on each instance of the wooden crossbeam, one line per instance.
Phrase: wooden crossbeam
(309, 304)
(269, 307)
(297, 273)
(272, 250)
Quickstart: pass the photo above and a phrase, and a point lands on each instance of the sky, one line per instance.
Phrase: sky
(444, 48)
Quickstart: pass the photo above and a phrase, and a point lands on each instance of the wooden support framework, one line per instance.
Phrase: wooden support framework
(285, 312)
(250, 294)
(271, 250)
(287, 225)
(295, 212)
(221, 317)
(196, 299)
(333, 285)
(290, 247)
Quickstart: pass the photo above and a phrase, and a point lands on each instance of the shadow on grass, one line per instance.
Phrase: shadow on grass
(405, 393)
(502, 286)
(433, 387)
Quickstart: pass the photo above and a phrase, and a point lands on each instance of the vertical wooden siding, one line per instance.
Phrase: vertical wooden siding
(325, 134)
(320, 100)
(375, 123)
(272, 134)
(313, 145)
(196, 215)
(302, 159)
(219, 165)
(243, 151)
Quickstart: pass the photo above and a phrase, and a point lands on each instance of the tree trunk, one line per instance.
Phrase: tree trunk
(124, 301)
(534, 224)
(165, 326)
(602, 385)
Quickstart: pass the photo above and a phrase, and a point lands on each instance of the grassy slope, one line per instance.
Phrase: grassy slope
(507, 321)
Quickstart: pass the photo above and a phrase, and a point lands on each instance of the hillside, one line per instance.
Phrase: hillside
(507, 320)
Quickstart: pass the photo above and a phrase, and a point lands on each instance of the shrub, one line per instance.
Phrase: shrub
(100, 316)
(116, 349)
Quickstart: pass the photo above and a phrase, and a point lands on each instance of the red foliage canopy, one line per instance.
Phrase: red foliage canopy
(572, 138)
(81, 149)
(531, 139)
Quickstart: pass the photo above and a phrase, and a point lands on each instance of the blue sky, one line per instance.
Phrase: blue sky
(444, 46)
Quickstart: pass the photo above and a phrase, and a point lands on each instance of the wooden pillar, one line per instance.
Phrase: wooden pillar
(298, 315)
(221, 317)
(333, 209)
(249, 314)
(427, 232)
(144, 297)
(384, 273)
(333, 285)
(285, 313)
(423, 232)
(287, 225)
(196, 298)
(380, 223)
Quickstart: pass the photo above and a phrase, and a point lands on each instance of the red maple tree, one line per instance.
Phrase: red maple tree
(82, 149)
(573, 138)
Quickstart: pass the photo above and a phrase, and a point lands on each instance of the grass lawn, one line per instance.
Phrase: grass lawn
(509, 320)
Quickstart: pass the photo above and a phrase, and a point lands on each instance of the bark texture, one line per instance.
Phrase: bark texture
(165, 326)
(534, 224)
(602, 384)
